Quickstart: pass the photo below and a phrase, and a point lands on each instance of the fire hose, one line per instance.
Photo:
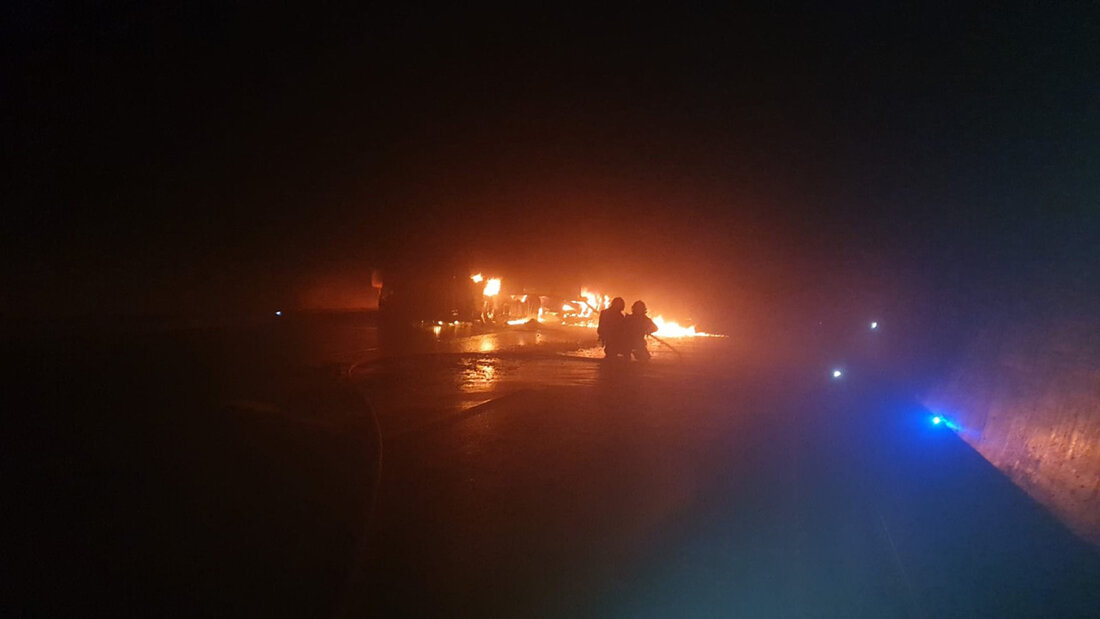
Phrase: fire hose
(670, 347)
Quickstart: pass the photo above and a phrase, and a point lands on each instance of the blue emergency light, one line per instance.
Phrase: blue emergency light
(940, 420)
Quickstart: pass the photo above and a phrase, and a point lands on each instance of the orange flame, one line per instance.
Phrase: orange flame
(584, 310)
(669, 328)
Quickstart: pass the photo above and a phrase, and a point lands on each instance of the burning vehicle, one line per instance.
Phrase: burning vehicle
(455, 296)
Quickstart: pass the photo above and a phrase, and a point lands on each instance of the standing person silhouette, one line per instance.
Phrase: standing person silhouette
(636, 327)
(611, 331)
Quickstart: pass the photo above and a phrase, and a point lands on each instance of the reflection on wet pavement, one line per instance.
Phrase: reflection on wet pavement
(406, 392)
(478, 375)
(526, 476)
(457, 371)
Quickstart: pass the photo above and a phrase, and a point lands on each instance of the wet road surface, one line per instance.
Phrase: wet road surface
(522, 482)
(311, 469)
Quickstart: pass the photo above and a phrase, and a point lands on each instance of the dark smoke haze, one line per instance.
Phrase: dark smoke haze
(831, 162)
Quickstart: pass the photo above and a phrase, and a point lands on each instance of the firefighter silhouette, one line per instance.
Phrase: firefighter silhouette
(611, 332)
(636, 326)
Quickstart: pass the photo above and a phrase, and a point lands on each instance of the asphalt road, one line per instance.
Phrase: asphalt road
(310, 469)
(706, 483)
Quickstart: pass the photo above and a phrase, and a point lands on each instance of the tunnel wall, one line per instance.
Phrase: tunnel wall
(1026, 395)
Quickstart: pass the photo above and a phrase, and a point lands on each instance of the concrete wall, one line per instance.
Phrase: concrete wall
(1027, 396)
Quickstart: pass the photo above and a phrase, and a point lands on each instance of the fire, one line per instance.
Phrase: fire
(582, 310)
(592, 300)
(492, 287)
(668, 328)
